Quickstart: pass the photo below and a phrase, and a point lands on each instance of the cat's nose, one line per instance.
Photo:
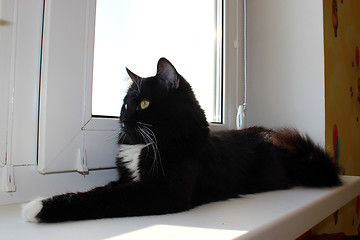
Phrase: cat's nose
(124, 120)
(126, 123)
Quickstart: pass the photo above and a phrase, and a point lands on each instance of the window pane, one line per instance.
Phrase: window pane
(136, 33)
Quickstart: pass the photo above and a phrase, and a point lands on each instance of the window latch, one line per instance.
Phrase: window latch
(240, 116)
(9, 179)
(81, 162)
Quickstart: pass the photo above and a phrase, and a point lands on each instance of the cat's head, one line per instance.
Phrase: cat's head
(160, 105)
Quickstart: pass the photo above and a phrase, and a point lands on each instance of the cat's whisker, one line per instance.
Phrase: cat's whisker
(144, 139)
(156, 150)
(150, 135)
(121, 136)
(150, 142)
(151, 139)
(145, 124)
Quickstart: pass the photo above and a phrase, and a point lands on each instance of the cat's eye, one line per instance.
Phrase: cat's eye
(125, 106)
(144, 104)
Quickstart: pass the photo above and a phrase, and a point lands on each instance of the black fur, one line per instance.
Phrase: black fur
(184, 165)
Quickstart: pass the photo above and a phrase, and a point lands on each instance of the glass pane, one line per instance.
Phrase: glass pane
(136, 33)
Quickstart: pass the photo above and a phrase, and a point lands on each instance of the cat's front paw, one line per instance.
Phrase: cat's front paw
(31, 210)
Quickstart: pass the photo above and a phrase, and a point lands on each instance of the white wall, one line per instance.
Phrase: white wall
(285, 67)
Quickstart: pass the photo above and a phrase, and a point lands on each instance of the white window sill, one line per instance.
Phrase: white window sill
(273, 215)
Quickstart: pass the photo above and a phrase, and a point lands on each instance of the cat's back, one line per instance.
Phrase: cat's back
(240, 140)
(237, 151)
(227, 167)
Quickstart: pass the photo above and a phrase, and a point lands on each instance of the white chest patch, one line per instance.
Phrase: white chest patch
(130, 157)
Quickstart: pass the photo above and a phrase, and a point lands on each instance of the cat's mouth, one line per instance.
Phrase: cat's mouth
(128, 134)
(136, 133)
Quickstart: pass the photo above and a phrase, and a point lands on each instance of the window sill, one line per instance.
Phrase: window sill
(272, 215)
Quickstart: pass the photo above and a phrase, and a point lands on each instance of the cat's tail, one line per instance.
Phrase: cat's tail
(306, 163)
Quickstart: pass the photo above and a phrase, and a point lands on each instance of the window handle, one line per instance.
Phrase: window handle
(240, 116)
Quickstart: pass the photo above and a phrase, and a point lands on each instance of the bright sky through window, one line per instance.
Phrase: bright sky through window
(136, 33)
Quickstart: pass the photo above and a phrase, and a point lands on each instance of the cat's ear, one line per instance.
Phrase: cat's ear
(167, 73)
(133, 76)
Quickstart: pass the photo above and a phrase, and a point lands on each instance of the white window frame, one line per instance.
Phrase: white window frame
(6, 72)
(20, 47)
(69, 137)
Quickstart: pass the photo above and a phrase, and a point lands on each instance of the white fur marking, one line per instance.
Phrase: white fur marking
(31, 210)
(130, 157)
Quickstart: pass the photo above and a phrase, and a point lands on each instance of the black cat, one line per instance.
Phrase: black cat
(169, 161)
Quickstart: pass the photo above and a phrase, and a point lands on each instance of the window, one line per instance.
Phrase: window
(137, 33)
(74, 132)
